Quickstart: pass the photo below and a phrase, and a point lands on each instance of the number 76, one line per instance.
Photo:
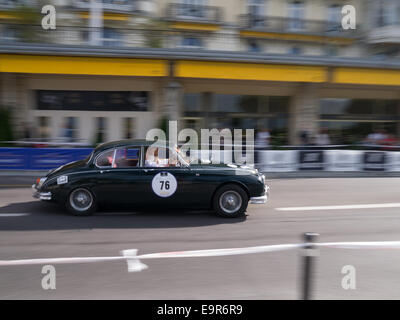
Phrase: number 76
(164, 185)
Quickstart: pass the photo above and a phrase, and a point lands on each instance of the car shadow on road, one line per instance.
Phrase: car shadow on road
(49, 216)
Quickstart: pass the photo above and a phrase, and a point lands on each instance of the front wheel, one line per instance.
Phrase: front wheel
(81, 202)
(230, 201)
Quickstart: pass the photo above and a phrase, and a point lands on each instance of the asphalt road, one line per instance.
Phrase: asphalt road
(46, 231)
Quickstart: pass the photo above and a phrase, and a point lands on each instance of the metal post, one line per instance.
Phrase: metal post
(310, 252)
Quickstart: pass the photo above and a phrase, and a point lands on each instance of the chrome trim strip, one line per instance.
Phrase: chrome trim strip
(45, 195)
(259, 200)
(40, 195)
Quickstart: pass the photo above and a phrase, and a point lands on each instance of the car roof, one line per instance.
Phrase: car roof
(127, 143)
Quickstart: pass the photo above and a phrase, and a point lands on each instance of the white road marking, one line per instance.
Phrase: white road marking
(3, 215)
(134, 263)
(342, 207)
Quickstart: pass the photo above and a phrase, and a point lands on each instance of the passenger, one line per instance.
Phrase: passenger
(110, 160)
(152, 159)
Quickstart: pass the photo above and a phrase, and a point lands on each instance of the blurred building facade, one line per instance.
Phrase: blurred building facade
(287, 66)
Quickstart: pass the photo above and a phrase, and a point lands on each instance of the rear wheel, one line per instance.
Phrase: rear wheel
(230, 201)
(81, 202)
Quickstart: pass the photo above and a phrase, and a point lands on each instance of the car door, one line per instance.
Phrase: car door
(120, 182)
(172, 186)
(169, 187)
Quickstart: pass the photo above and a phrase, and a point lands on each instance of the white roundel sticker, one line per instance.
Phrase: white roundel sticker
(164, 184)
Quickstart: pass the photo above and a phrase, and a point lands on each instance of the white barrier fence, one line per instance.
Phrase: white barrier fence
(328, 160)
(311, 159)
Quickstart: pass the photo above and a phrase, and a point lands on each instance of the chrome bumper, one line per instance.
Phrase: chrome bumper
(261, 199)
(40, 195)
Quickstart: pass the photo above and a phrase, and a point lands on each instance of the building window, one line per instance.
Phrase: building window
(14, 3)
(257, 13)
(92, 100)
(295, 50)
(44, 127)
(332, 50)
(100, 130)
(111, 38)
(351, 120)
(296, 15)
(334, 18)
(235, 103)
(9, 34)
(387, 12)
(254, 46)
(120, 5)
(191, 42)
(128, 125)
(191, 102)
(192, 8)
(69, 130)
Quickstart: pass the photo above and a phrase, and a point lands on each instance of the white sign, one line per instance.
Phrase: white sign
(393, 163)
(278, 160)
(164, 184)
(343, 160)
(62, 180)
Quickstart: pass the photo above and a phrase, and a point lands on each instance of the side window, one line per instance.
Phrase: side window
(127, 158)
(105, 159)
(160, 157)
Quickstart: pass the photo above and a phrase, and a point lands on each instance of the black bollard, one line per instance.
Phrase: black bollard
(310, 251)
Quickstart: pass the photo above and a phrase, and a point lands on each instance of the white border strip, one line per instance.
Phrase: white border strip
(343, 207)
(134, 263)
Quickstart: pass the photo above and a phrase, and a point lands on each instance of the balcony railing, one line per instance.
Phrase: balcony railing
(178, 11)
(109, 5)
(121, 37)
(389, 34)
(292, 25)
(12, 4)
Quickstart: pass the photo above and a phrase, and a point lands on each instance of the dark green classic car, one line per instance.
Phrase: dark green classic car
(140, 175)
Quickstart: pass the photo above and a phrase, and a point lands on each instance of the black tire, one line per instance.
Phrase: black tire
(83, 206)
(230, 201)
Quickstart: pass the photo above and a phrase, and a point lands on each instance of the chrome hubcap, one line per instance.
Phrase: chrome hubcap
(230, 201)
(81, 199)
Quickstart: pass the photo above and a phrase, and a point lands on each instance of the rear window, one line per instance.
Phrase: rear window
(105, 159)
(119, 158)
(127, 158)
